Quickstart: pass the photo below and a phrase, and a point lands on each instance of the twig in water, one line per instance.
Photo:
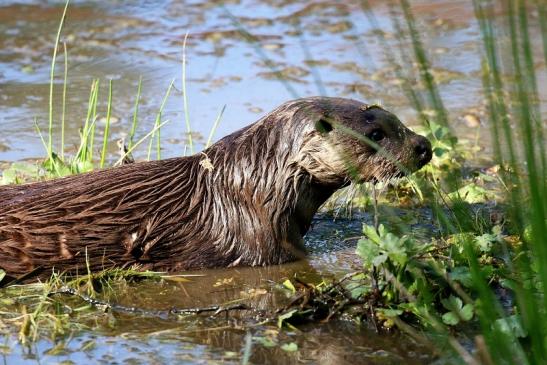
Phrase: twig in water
(216, 309)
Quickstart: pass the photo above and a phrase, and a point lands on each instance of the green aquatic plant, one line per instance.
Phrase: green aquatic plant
(476, 257)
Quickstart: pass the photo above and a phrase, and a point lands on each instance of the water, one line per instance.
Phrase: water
(332, 50)
(121, 338)
(322, 47)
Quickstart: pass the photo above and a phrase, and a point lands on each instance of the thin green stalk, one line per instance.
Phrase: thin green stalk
(157, 122)
(542, 11)
(535, 165)
(502, 346)
(527, 190)
(51, 77)
(531, 84)
(65, 77)
(135, 114)
(81, 154)
(185, 97)
(425, 67)
(37, 127)
(94, 117)
(501, 116)
(215, 126)
(135, 145)
(107, 126)
(406, 87)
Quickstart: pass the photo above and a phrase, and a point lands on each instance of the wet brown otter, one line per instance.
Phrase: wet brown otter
(250, 204)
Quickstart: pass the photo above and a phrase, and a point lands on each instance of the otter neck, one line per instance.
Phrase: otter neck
(272, 197)
(309, 201)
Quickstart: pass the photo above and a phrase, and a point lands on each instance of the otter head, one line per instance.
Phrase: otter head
(351, 141)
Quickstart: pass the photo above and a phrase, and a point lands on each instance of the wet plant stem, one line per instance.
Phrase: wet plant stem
(107, 125)
(215, 126)
(185, 97)
(63, 115)
(51, 77)
(157, 124)
(135, 114)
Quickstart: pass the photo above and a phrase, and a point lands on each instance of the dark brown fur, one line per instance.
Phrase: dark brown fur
(252, 208)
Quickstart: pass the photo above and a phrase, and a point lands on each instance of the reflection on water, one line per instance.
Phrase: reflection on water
(318, 47)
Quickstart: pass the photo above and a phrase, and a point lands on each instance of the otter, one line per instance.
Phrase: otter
(247, 200)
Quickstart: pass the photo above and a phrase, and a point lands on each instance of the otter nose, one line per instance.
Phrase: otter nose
(422, 148)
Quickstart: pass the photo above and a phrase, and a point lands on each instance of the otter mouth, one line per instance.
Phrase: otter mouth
(385, 178)
(384, 171)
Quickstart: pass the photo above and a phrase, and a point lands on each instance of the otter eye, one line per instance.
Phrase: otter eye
(376, 135)
(323, 126)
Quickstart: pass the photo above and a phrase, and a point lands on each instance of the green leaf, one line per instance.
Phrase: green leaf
(485, 241)
(358, 289)
(453, 303)
(368, 251)
(471, 193)
(462, 275)
(395, 248)
(289, 285)
(284, 317)
(370, 232)
(2, 275)
(379, 259)
(19, 172)
(457, 311)
(439, 152)
(82, 166)
(289, 347)
(389, 312)
(379, 246)
(467, 312)
(451, 319)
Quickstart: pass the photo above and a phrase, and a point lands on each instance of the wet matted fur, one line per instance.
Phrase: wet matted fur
(251, 205)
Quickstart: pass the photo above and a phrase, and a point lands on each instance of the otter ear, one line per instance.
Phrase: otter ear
(323, 126)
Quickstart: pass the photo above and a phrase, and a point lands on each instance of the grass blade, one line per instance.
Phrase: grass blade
(51, 76)
(107, 125)
(185, 97)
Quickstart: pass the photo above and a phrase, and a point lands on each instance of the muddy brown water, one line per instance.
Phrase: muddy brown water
(319, 47)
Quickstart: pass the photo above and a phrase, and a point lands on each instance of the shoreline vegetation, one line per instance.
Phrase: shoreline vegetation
(471, 289)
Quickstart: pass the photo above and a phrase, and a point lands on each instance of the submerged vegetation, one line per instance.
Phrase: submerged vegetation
(468, 282)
